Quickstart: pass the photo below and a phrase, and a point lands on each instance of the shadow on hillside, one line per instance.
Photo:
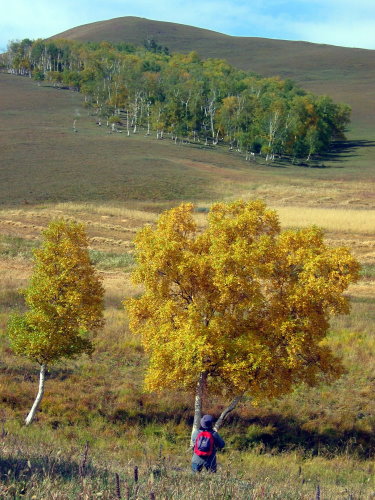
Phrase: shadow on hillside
(342, 150)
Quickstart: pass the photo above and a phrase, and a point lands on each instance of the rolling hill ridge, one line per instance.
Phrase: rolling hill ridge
(346, 74)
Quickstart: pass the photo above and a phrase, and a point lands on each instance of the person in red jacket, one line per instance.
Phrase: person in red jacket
(206, 441)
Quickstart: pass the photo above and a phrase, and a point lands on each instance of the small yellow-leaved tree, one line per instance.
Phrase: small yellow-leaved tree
(65, 301)
(240, 307)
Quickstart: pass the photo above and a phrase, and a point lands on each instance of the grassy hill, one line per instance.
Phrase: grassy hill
(346, 74)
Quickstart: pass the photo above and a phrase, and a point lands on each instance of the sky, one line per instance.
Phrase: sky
(348, 23)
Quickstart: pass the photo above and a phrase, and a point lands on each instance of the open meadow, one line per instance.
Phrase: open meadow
(315, 441)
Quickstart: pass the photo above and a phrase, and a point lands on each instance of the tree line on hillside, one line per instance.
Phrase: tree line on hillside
(186, 96)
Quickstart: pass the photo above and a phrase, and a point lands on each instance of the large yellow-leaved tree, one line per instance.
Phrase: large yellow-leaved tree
(64, 299)
(238, 307)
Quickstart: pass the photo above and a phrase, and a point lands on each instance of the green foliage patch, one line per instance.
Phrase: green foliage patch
(368, 271)
(14, 246)
(110, 260)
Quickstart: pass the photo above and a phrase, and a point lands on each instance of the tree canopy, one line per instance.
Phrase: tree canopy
(64, 299)
(238, 306)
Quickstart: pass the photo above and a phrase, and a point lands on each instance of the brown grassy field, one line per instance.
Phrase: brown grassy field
(115, 184)
(43, 160)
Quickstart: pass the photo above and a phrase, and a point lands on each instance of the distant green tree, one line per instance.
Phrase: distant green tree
(38, 75)
(151, 45)
(65, 301)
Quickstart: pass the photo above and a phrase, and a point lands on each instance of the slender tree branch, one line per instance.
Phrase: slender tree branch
(226, 411)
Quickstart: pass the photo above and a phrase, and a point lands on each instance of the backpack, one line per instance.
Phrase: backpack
(204, 444)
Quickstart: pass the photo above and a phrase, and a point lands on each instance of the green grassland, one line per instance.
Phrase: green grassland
(115, 184)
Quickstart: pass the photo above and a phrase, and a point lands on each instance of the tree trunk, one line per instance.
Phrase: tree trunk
(226, 411)
(201, 385)
(31, 415)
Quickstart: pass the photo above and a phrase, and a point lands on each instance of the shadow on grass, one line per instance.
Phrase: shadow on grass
(270, 432)
(275, 432)
(25, 475)
(23, 468)
(31, 373)
(340, 151)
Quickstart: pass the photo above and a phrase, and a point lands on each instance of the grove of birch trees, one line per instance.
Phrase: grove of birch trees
(185, 96)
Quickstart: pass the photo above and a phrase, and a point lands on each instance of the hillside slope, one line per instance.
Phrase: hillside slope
(346, 74)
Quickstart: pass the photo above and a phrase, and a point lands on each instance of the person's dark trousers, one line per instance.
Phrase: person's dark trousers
(210, 465)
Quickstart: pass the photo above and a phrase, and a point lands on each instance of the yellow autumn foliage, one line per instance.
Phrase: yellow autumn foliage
(64, 298)
(241, 300)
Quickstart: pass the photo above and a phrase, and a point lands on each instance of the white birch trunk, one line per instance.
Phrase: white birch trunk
(127, 122)
(212, 114)
(216, 141)
(226, 411)
(148, 121)
(198, 403)
(135, 114)
(31, 415)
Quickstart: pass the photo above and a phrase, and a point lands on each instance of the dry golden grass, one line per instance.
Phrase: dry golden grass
(307, 191)
(109, 228)
(331, 219)
(336, 220)
(107, 210)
